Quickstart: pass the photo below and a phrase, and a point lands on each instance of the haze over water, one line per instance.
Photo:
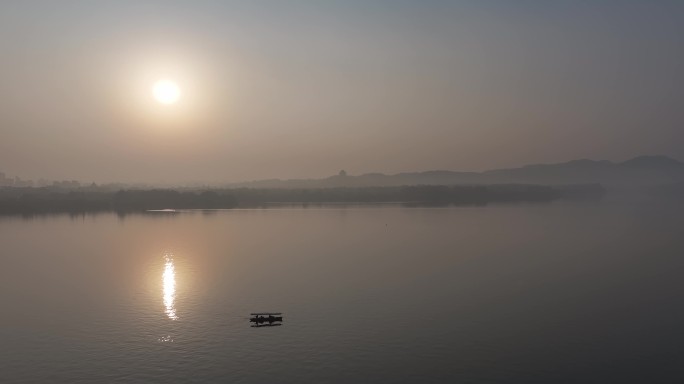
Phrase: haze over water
(511, 173)
(503, 293)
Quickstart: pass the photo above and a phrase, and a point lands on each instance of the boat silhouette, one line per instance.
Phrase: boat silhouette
(266, 319)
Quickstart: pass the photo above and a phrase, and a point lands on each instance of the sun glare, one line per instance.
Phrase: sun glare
(166, 91)
(169, 285)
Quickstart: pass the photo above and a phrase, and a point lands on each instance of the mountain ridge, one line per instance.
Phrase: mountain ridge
(640, 170)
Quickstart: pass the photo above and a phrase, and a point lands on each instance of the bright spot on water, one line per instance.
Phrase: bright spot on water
(169, 282)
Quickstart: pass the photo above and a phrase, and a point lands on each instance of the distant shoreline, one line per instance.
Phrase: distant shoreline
(27, 201)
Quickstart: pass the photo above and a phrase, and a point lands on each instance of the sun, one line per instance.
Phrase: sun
(166, 91)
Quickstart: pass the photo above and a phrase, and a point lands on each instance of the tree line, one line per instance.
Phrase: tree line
(46, 200)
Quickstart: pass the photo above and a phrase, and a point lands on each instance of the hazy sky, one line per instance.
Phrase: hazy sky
(306, 88)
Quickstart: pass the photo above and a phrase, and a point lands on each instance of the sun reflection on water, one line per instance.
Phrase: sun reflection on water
(169, 282)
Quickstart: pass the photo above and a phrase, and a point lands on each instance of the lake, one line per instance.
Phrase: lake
(547, 293)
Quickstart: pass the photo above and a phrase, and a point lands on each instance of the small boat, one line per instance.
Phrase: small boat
(266, 318)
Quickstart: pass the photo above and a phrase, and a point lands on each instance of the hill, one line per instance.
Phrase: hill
(639, 171)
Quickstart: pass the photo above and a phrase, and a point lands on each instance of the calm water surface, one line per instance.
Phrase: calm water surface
(511, 293)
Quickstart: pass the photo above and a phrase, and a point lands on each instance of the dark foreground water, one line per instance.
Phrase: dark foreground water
(585, 293)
